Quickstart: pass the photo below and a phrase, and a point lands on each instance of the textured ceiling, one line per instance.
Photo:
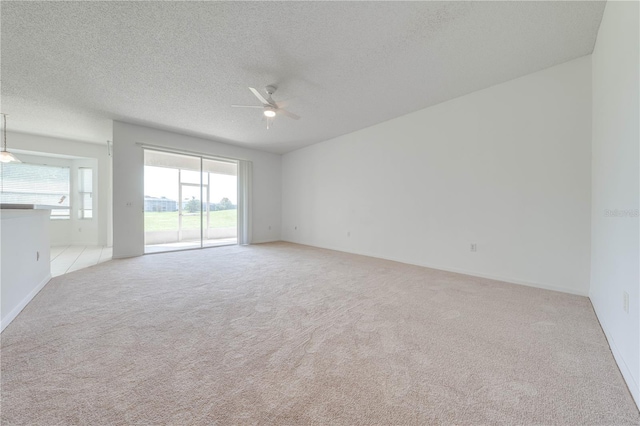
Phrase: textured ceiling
(68, 68)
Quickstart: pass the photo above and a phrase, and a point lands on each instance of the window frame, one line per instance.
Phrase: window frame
(81, 211)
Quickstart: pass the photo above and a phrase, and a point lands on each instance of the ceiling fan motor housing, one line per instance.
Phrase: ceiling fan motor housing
(271, 89)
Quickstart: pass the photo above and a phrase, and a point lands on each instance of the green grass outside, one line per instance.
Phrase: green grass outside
(168, 221)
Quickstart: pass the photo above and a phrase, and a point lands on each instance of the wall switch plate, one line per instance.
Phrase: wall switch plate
(625, 301)
(474, 247)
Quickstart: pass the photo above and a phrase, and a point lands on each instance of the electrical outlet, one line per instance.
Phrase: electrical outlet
(625, 301)
(474, 247)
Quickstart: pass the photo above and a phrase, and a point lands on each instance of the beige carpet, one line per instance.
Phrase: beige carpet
(287, 334)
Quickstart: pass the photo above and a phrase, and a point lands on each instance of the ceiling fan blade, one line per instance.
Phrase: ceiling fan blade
(246, 106)
(289, 114)
(272, 102)
(259, 96)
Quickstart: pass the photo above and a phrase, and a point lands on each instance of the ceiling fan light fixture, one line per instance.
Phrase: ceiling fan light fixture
(269, 112)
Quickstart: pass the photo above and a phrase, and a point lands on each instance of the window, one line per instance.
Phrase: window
(85, 187)
(24, 183)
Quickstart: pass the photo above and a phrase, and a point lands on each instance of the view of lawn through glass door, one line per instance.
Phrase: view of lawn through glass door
(189, 201)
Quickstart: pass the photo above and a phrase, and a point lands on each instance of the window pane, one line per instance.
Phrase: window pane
(221, 220)
(190, 176)
(87, 205)
(85, 189)
(86, 179)
(24, 183)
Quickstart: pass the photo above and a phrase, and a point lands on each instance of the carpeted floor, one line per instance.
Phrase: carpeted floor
(287, 334)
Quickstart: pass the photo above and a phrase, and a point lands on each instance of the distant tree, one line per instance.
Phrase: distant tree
(193, 205)
(225, 204)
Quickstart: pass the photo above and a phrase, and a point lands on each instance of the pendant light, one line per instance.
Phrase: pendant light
(6, 156)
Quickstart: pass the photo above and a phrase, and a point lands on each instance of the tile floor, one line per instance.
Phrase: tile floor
(66, 259)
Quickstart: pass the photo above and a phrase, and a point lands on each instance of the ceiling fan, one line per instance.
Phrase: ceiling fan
(269, 107)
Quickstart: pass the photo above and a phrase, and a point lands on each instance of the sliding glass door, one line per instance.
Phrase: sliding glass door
(221, 202)
(189, 201)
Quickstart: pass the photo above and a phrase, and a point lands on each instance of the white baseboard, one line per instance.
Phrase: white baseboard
(458, 271)
(15, 311)
(632, 385)
(513, 281)
(128, 256)
(265, 241)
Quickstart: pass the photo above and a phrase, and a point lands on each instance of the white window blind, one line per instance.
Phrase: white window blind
(85, 185)
(24, 183)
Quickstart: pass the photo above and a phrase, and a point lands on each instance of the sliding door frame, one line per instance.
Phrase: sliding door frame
(201, 157)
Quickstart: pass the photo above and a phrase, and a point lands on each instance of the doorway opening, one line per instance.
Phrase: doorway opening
(189, 201)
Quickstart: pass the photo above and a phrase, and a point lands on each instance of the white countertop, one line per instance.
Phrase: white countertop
(7, 206)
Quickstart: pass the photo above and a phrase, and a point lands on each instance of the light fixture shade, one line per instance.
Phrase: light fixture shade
(269, 113)
(7, 157)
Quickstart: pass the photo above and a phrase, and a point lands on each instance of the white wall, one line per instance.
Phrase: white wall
(24, 254)
(75, 231)
(128, 183)
(615, 172)
(507, 168)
